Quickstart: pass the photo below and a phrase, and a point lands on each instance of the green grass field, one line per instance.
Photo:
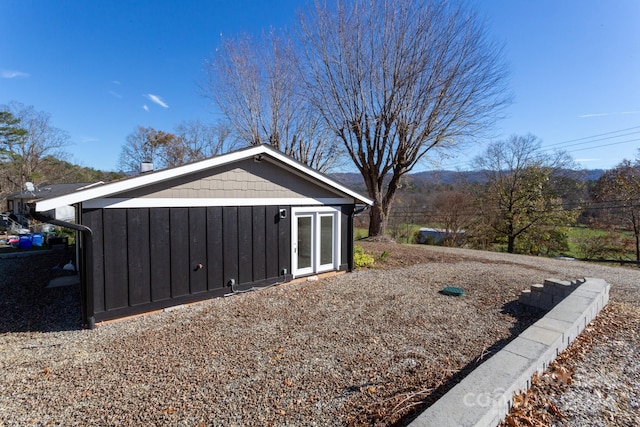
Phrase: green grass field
(360, 233)
(619, 245)
(402, 233)
(580, 239)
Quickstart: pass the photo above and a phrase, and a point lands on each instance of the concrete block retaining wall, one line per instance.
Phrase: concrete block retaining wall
(549, 294)
(483, 398)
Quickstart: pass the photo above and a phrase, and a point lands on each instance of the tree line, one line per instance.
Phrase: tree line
(527, 202)
(33, 150)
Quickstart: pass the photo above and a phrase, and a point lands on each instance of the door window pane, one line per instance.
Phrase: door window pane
(326, 239)
(304, 242)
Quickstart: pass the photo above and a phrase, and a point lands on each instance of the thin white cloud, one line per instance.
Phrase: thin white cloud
(156, 100)
(13, 74)
(583, 116)
(116, 82)
(87, 139)
(619, 113)
(586, 160)
(115, 94)
(145, 108)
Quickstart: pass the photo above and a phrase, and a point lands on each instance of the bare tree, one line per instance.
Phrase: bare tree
(255, 83)
(144, 144)
(455, 211)
(192, 140)
(23, 153)
(197, 141)
(397, 79)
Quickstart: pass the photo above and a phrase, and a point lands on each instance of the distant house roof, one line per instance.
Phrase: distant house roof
(150, 178)
(47, 191)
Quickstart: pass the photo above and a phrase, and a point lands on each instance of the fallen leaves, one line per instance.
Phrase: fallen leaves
(525, 411)
(554, 409)
(563, 374)
(535, 407)
(170, 410)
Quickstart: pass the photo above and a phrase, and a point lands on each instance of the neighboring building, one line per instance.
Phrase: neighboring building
(433, 236)
(437, 236)
(17, 216)
(249, 218)
(18, 203)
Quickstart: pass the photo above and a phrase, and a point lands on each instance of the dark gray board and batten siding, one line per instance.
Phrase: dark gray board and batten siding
(145, 259)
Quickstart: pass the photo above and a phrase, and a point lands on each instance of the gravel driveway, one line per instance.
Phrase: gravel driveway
(364, 348)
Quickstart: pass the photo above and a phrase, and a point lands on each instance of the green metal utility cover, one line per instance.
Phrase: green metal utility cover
(453, 291)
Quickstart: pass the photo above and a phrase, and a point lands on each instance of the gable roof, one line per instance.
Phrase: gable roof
(46, 191)
(150, 178)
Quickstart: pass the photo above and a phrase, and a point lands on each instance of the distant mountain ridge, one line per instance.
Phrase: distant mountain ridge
(354, 180)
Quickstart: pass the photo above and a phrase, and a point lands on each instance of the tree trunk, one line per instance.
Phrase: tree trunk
(377, 221)
(636, 232)
(383, 197)
(511, 239)
(511, 235)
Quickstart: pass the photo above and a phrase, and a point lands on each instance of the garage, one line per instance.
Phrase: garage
(246, 219)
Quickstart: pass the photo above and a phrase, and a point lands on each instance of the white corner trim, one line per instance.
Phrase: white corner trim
(115, 203)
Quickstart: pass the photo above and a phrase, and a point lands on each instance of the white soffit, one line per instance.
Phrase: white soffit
(112, 203)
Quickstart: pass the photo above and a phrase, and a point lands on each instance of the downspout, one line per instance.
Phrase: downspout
(360, 210)
(351, 234)
(87, 252)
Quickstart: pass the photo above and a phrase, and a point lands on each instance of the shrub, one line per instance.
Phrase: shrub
(362, 259)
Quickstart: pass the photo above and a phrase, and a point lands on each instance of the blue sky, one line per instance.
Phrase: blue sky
(101, 68)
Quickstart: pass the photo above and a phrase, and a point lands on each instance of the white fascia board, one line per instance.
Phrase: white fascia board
(168, 174)
(318, 176)
(115, 203)
(145, 179)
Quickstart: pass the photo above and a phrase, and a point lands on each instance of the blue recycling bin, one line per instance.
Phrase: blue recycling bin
(25, 241)
(36, 239)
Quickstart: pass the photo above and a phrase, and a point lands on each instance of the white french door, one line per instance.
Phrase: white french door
(315, 240)
(303, 245)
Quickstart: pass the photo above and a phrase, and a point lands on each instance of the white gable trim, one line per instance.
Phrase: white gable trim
(114, 203)
(103, 191)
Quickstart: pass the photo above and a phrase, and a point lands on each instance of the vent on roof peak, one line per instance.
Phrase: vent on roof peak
(146, 167)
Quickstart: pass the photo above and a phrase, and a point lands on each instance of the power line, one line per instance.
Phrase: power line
(605, 145)
(595, 136)
(585, 140)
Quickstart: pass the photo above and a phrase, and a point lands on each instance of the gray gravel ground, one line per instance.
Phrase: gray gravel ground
(605, 387)
(357, 349)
